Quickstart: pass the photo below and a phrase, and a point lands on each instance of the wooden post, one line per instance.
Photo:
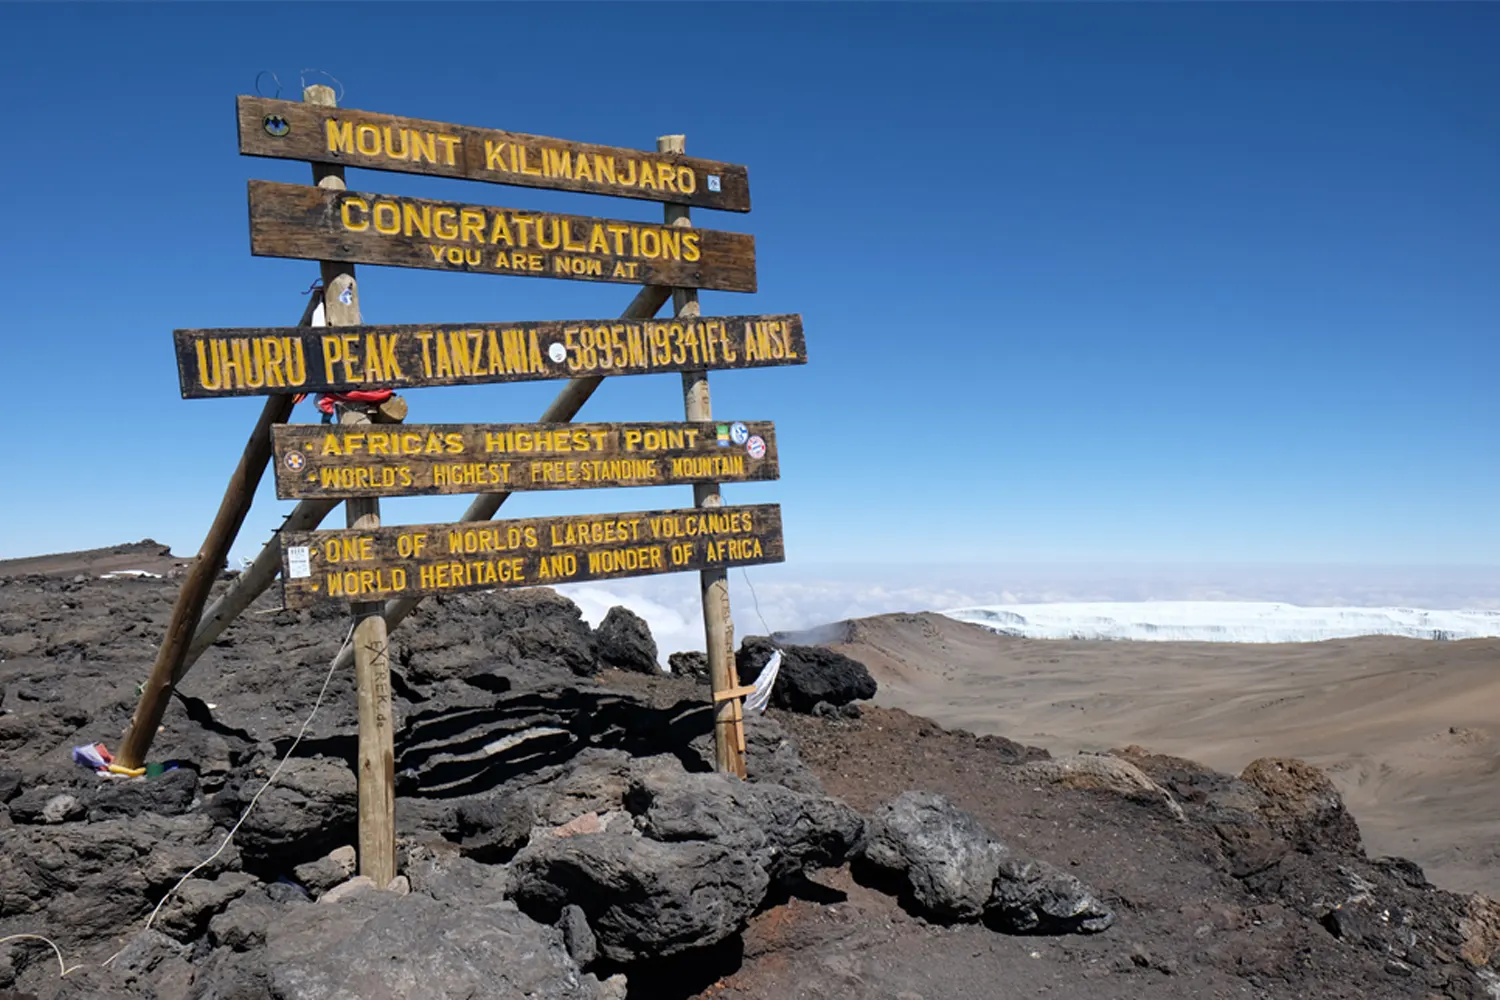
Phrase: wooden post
(718, 626)
(372, 665)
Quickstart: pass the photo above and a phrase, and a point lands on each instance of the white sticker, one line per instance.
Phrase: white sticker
(557, 352)
(738, 433)
(713, 182)
(756, 447)
(347, 295)
(298, 566)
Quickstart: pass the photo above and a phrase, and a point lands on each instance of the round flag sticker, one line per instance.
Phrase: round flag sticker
(756, 447)
(738, 433)
(557, 352)
(294, 461)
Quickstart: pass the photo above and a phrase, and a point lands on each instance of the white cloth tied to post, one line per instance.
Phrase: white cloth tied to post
(761, 696)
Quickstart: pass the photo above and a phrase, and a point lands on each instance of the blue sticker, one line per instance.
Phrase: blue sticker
(739, 433)
(347, 295)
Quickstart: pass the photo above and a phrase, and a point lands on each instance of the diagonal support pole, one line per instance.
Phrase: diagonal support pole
(172, 657)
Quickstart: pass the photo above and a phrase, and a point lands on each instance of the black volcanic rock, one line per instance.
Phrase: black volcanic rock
(623, 641)
(808, 674)
(691, 664)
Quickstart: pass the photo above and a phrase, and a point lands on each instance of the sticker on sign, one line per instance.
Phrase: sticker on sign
(298, 562)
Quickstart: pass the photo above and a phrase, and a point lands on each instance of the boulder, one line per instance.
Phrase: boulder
(771, 756)
(545, 630)
(577, 936)
(46, 805)
(808, 674)
(243, 923)
(623, 641)
(787, 833)
(493, 829)
(311, 809)
(691, 664)
(1303, 806)
(323, 874)
(644, 899)
(474, 636)
(1032, 897)
(96, 878)
(186, 915)
(393, 947)
(170, 794)
(941, 859)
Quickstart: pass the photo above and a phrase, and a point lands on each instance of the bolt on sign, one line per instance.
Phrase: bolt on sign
(311, 223)
(337, 461)
(296, 131)
(264, 361)
(417, 560)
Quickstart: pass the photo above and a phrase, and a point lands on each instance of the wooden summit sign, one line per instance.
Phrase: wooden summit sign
(262, 361)
(416, 560)
(341, 461)
(313, 223)
(382, 573)
(296, 131)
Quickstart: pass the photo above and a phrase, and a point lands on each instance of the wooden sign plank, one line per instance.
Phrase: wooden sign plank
(336, 462)
(311, 223)
(261, 361)
(290, 130)
(426, 559)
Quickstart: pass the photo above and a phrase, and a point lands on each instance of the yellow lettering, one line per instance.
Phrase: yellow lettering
(340, 136)
(203, 367)
(391, 216)
(349, 223)
(471, 223)
(416, 218)
(423, 148)
(363, 132)
(390, 150)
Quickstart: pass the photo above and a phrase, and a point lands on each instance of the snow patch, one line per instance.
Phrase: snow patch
(1223, 621)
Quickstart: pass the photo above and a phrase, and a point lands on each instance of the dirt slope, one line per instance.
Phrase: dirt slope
(1407, 728)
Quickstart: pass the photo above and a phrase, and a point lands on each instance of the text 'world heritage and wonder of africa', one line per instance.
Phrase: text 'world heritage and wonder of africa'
(413, 560)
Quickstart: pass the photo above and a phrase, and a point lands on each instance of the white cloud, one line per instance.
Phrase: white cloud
(791, 597)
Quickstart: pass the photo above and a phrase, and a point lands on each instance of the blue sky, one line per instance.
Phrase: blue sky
(1160, 283)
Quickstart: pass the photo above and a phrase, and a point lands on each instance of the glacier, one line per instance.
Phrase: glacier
(1223, 621)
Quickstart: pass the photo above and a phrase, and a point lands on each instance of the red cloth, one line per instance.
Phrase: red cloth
(327, 399)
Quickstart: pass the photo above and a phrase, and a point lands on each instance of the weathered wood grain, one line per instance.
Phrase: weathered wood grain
(262, 361)
(291, 131)
(292, 220)
(417, 560)
(323, 461)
